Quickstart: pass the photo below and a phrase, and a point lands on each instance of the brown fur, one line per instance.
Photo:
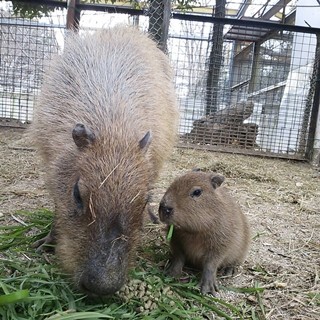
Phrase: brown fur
(210, 230)
(117, 86)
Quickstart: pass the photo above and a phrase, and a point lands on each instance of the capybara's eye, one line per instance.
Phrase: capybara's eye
(77, 196)
(196, 193)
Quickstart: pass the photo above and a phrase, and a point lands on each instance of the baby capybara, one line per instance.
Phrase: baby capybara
(104, 123)
(210, 231)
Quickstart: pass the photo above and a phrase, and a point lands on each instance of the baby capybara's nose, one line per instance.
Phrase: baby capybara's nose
(165, 211)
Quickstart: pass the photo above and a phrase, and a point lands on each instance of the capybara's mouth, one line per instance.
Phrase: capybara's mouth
(97, 284)
(95, 291)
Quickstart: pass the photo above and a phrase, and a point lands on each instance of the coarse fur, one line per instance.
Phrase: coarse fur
(104, 124)
(210, 230)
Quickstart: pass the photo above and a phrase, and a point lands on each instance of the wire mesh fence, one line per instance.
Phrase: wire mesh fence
(241, 88)
(26, 45)
(261, 91)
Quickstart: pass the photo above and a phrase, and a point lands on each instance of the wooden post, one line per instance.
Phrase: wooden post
(73, 15)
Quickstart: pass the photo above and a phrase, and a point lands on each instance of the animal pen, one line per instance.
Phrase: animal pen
(244, 85)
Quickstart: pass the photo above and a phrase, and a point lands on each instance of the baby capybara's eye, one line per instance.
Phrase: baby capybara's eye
(77, 196)
(196, 193)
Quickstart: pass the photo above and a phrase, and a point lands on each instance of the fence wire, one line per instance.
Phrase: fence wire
(25, 47)
(248, 90)
(258, 95)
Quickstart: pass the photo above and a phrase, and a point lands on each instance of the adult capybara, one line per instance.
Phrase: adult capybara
(210, 231)
(104, 123)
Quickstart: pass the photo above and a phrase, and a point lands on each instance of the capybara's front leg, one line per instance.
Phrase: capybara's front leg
(46, 244)
(209, 278)
(175, 267)
(176, 262)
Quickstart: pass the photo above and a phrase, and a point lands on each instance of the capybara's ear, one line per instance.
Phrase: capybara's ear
(216, 180)
(145, 141)
(196, 169)
(82, 136)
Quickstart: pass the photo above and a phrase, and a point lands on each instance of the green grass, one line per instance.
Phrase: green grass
(32, 288)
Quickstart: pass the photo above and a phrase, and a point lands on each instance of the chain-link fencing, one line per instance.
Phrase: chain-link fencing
(248, 88)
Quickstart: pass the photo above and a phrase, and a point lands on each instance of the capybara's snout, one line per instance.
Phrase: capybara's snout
(165, 211)
(104, 272)
(101, 279)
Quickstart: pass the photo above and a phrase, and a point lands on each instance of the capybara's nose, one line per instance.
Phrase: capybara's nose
(164, 211)
(94, 285)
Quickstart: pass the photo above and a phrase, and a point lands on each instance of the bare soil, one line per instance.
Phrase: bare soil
(281, 199)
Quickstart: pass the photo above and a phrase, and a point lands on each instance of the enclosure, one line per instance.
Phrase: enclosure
(279, 280)
(244, 85)
(247, 80)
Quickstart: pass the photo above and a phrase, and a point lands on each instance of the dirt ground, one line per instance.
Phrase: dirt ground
(280, 198)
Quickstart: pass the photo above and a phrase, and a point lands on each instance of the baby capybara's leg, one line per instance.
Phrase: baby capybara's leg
(208, 282)
(177, 261)
(229, 271)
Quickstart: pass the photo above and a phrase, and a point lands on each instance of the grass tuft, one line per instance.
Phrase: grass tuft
(32, 288)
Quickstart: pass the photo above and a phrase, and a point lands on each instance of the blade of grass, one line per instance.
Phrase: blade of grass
(244, 290)
(79, 316)
(203, 300)
(14, 297)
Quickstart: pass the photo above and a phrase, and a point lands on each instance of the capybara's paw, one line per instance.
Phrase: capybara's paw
(208, 286)
(228, 271)
(45, 244)
(173, 270)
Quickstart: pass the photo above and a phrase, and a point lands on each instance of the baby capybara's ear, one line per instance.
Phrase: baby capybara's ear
(82, 136)
(216, 180)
